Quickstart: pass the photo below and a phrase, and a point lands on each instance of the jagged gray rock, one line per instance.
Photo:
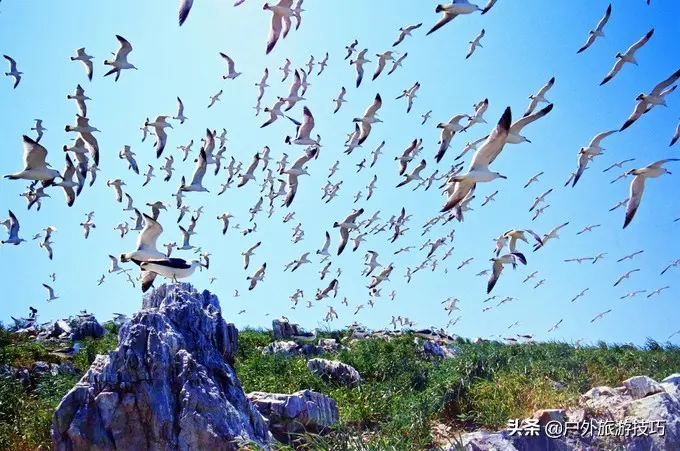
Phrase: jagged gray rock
(168, 385)
(641, 400)
(334, 370)
(85, 326)
(291, 348)
(284, 330)
(434, 349)
(302, 411)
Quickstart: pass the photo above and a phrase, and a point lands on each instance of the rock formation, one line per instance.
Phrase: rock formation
(168, 385)
(284, 330)
(84, 326)
(303, 411)
(334, 370)
(647, 414)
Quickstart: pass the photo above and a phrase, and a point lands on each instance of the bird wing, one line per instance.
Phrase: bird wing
(180, 107)
(520, 124)
(589, 42)
(637, 187)
(253, 164)
(446, 18)
(379, 67)
(493, 145)
(531, 107)
(201, 166)
(615, 70)
(547, 87)
(184, 8)
(605, 19)
(642, 41)
(124, 49)
(666, 83)
(149, 234)
(12, 63)
(34, 154)
(676, 136)
(595, 142)
(274, 32)
(344, 236)
(660, 163)
(639, 110)
(230, 62)
(295, 85)
(375, 106)
(307, 124)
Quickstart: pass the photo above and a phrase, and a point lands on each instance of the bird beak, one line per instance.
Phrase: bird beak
(528, 141)
(502, 176)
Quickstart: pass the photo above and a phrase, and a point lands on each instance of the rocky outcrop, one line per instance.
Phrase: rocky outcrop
(334, 370)
(284, 330)
(303, 411)
(291, 348)
(85, 326)
(640, 415)
(168, 385)
(433, 349)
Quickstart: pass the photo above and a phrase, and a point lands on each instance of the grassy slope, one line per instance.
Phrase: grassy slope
(404, 394)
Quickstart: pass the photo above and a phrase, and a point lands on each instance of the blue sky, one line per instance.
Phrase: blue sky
(526, 43)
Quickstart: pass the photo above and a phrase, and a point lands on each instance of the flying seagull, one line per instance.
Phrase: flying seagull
(13, 72)
(597, 32)
(656, 97)
(35, 167)
(86, 60)
(450, 12)
(120, 62)
(478, 171)
(637, 186)
(627, 57)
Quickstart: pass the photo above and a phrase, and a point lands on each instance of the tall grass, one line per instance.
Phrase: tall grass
(403, 395)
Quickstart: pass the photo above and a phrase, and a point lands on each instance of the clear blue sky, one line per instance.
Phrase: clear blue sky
(526, 43)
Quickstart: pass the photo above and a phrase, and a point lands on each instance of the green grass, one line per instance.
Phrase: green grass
(403, 395)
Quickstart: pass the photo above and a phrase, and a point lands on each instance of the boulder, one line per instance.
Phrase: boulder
(284, 330)
(651, 411)
(303, 411)
(168, 385)
(434, 349)
(334, 370)
(641, 386)
(85, 326)
(287, 348)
